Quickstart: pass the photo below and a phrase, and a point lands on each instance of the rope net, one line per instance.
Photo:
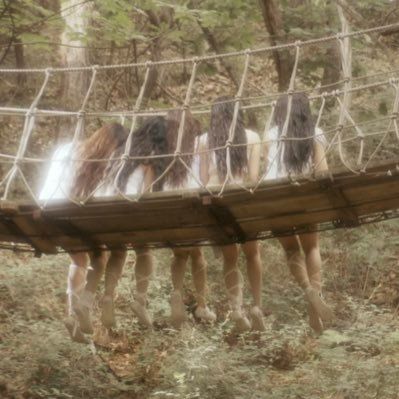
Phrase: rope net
(351, 144)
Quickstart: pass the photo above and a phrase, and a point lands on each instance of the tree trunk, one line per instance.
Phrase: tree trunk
(19, 64)
(274, 25)
(332, 65)
(74, 84)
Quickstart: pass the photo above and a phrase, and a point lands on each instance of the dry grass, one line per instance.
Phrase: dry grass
(356, 358)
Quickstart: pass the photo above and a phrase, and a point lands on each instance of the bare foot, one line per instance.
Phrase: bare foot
(258, 323)
(142, 314)
(241, 322)
(72, 325)
(178, 311)
(107, 312)
(205, 314)
(320, 307)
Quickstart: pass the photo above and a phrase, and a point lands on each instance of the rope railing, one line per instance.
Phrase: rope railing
(341, 97)
(190, 60)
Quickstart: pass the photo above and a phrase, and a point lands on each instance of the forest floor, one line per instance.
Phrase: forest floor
(356, 357)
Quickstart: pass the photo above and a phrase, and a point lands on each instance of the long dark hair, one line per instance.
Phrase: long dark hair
(178, 173)
(100, 145)
(148, 139)
(221, 118)
(296, 153)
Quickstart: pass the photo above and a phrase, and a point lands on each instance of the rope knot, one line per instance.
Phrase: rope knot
(394, 115)
(125, 157)
(298, 43)
(31, 112)
(393, 81)
(148, 64)
(48, 71)
(347, 79)
(81, 114)
(339, 36)
(185, 107)
(229, 143)
(340, 127)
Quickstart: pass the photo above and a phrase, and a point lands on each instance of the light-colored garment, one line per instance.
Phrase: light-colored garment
(276, 168)
(60, 174)
(252, 140)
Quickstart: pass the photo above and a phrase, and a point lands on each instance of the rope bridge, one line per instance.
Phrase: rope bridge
(361, 189)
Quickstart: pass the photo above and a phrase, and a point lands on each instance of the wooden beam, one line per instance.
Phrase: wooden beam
(225, 219)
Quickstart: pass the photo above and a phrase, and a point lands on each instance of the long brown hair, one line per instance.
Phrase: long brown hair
(177, 175)
(99, 145)
(296, 153)
(148, 139)
(221, 118)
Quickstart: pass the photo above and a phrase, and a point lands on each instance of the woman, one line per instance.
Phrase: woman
(295, 157)
(244, 167)
(134, 177)
(179, 178)
(75, 177)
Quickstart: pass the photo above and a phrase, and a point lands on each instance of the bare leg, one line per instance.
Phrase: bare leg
(76, 282)
(298, 269)
(76, 279)
(310, 245)
(295, 260)
(178, 269)
(254, 271)
(233, 286)
(143, 271)
(113, 273)
(96, 270)
(199, 273)
(94, 274)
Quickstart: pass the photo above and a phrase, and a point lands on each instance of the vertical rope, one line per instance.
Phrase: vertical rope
(26, 133)
(68, 164)
(180, 133)
(346, 63)
(232, 131)
(129, 140)
(393, 120)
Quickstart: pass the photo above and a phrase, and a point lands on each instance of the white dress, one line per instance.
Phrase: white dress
(273, 164)
(57, 184)
(252, 140)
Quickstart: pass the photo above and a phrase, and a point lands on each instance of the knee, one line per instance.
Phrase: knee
(310, 249)
(143, 254)
(80, 259)
(252, 255)
(119, 254)
(230, 257)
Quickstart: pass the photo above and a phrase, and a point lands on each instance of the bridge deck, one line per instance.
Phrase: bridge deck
(194, 217)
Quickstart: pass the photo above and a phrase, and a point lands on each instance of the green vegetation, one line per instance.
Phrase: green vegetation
(356, 358)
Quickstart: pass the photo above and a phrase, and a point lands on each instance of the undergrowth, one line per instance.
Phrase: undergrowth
(357, 357)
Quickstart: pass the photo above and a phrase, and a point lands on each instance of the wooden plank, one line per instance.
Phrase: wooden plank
(224, 219)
